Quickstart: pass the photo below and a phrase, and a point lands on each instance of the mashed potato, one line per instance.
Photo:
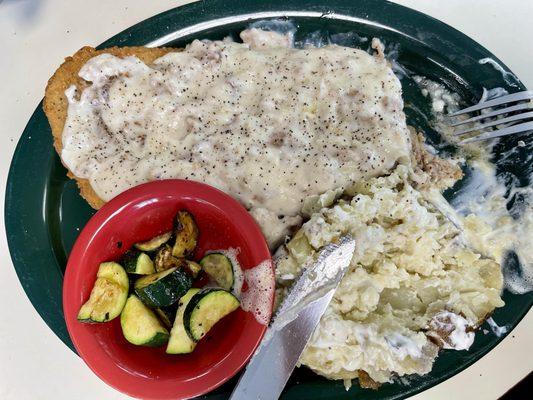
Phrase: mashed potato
(413, 285)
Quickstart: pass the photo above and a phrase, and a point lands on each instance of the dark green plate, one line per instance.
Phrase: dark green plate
(44, 211)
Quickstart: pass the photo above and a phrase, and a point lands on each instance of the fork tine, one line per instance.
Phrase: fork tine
(525, 95)
(520, 128)
(518, 107)
(500, 121)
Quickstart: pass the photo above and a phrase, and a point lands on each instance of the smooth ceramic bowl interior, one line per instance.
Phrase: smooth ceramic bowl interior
(136, 215)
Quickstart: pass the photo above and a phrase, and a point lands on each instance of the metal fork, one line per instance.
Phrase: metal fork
(508, 119)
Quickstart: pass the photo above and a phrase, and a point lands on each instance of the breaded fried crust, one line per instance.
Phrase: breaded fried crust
(56, 104)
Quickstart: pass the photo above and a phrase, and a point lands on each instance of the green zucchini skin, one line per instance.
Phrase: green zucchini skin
(180, 342)
(154, 243)
(220, 268)
(108, 295)
(205, 309)
(164, 288)
(137, 262)
(140, 325)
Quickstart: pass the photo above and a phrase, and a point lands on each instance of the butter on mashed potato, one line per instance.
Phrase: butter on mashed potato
(413, 285)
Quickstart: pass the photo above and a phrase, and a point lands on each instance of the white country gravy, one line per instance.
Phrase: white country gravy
(267, 123)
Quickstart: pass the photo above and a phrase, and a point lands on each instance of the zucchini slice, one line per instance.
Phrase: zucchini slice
(193, 267)
(137, 262)
(205, 309)
(180, 342)
(164, 288)
(220, 268)
(140, 326)
(166, 315)
(108, 296)
(186, 232)
(154, 243)
(164, 259)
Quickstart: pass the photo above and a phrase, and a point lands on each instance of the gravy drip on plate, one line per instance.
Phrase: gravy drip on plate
(267, 123)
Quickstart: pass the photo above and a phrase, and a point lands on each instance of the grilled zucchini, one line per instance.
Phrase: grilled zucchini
(137, 262)
(164, 259)
(154, 243)
(220, 269)
(164, 288)
(140, 326)
(186, 232)
(180, 342)
(193, 267)
(166, 315)
(205, 309)
(108, 296)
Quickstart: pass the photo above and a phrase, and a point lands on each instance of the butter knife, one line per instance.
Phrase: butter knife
(274, 360)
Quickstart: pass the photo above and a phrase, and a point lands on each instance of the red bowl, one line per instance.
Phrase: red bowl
(136, 215)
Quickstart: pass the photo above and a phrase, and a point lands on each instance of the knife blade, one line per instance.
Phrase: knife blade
(274, 360)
